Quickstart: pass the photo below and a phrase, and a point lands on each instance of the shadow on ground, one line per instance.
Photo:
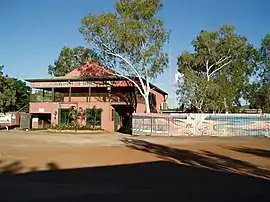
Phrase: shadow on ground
(253, 151)
(199, 177)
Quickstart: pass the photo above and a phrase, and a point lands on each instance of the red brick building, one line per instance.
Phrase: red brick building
(88, 86)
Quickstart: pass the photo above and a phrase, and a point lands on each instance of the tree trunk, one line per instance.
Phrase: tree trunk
(225, 105)
(147, 104)
(199, 106)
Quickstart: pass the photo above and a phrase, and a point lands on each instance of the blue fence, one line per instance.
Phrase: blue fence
(202, 124)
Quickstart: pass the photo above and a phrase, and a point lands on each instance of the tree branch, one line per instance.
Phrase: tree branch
(207, 70)
(222, 59)
(137, 86)
(220, 68)
(143, 91)
(126, 61)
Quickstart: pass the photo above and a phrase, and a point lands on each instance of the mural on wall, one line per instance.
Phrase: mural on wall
(202, 124)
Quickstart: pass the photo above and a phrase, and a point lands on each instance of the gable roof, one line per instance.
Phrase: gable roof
(91, 69)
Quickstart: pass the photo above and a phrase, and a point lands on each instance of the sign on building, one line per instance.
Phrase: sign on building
(62, 84)
(5, 118)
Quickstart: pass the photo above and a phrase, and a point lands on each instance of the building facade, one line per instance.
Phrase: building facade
(87, 87)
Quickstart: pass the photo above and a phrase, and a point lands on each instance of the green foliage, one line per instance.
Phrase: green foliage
(71, 116)
(81, 115)
(22, 95)
(264, 68)
(258, 93)
(7, 92)
(37, 96)
(93, 116)
(69, 59)
(72, 127)
(68, 116)
(215, 76)
(64, 116)
(14, 94)
(260, 98)
(134, 32)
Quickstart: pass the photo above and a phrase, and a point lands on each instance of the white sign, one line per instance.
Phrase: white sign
(63, 84)
(5, 118)
(35, 120)
(41, 110)
(13, 117)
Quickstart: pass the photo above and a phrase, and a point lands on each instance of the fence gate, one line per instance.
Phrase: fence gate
(25, 121)
(150, 124)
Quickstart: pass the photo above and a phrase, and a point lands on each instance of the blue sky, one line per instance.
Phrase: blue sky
(32, 32)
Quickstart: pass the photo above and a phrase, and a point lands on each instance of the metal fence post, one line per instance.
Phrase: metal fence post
(143, 127)
(151, 124)
(168, 125)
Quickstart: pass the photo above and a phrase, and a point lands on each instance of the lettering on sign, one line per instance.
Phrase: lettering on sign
(63, 84)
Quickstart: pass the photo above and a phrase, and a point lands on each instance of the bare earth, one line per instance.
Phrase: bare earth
(39, 166)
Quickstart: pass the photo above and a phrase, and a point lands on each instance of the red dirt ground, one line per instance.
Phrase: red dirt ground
(122, 168)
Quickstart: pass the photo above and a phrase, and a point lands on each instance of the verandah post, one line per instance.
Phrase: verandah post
(43, 95)
(69, 95)
(89, 94)
(53, 95)
(151, 124)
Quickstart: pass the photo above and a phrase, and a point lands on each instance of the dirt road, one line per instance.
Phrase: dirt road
(38, 166)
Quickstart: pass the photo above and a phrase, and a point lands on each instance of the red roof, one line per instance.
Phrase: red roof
(94, 69)
(90, 69)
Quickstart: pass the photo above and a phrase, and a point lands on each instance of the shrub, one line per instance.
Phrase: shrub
(73, 127)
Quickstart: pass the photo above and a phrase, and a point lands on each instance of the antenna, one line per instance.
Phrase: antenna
(170, 72)
(170, 64)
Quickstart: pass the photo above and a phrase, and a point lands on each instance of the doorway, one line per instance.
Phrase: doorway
(41, 120)
(122, 115)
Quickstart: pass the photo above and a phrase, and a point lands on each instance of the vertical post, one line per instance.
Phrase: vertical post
(53, 95)
(169, 126)
(77, 108)
(151, 124)
(143, 125)
(109, 93)
(69, 95)
(59, 112)
(43, 94)
(89, 94)
(31, 95)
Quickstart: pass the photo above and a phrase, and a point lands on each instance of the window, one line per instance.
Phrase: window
(64, 116)
(93, 116)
